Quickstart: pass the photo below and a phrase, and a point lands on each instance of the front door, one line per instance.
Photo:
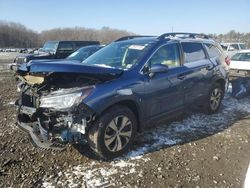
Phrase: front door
(163, 91)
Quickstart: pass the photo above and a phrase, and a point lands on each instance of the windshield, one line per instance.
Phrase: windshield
(121, 55)
(241, 57)
(50, 46)
(83, 53)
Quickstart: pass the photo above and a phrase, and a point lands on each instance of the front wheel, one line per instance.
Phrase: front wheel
(214, 98)
(113, 134)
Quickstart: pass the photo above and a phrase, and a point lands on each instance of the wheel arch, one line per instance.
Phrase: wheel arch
(222, 82)
(133, 106)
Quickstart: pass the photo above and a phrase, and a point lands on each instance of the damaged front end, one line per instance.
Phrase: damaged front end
(51, 107)
(53, 116)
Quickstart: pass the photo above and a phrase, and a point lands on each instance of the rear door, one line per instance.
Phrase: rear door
(197, 71)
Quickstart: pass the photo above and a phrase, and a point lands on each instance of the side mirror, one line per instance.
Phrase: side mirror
(157, 68)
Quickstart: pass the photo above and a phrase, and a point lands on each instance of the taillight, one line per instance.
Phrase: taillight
(228, 60)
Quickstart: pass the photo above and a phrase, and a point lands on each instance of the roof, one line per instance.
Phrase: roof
(188, 37)
(227, 43)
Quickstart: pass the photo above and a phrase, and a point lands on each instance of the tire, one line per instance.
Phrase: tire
(214, 98)
(112, 135)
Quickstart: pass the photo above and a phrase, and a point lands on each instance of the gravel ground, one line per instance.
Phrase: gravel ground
(195, 150)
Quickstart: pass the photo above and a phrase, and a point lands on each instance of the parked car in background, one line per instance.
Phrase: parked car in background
(240, 64)
(240, 74)
(77, 56)
(120, 90)
(233, 48)
(84, 52)
(53, 50)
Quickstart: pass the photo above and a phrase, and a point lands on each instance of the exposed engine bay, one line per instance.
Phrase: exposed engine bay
(50, 107)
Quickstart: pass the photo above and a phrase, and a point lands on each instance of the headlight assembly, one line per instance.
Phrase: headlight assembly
(63, 100)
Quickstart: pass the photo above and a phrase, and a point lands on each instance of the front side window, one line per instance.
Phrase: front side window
(122, 55)
(167, 55)
(212, 50)
(193, 52)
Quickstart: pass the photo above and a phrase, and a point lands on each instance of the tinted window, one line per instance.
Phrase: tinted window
(167, 55)
(212, 50)
(193, 52)
(243, 46)
(65, 46)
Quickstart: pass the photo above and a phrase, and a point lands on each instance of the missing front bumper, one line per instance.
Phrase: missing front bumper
(37, 139)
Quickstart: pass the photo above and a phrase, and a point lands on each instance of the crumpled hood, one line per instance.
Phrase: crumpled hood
(67, 66)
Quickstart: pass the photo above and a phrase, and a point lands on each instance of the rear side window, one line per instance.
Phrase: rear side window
(193, 52)
(212, 50)
(65, 46)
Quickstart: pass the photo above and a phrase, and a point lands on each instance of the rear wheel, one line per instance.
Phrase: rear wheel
(214, 98)
(113, 134)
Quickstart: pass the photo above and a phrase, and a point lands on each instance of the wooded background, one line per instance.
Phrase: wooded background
(16, 35)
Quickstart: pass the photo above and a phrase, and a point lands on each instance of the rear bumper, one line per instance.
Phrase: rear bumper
(235, 73)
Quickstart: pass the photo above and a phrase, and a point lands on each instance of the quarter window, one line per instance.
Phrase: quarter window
(168, 55)
(212, 50)
(193, 52)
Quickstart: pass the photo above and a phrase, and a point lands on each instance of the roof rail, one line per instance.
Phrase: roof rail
(131, 37)
(184, 35)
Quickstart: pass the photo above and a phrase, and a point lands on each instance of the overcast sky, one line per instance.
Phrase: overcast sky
(139, 16)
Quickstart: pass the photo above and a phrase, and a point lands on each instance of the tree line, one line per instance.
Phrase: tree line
(17, 35)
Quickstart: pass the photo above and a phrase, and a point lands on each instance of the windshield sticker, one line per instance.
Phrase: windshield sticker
(136, 47)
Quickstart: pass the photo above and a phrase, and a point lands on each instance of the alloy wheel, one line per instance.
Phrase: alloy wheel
(118, 133)
(215, 98)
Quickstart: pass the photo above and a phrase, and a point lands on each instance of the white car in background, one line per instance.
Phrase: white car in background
(240, 64)
(233, 48)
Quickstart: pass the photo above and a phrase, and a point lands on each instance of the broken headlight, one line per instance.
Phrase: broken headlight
(62, 99)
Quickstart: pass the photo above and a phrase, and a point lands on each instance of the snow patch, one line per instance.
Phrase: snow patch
(247, 179)
(189, 129)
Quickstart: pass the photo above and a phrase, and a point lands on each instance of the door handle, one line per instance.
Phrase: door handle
(209, 67)
(181, 76)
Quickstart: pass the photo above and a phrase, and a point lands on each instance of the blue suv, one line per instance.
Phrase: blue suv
(130, 84)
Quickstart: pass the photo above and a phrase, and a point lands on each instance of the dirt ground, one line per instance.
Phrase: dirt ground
(195, 150)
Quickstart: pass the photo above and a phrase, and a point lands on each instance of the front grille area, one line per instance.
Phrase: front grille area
(30, 101)
(20, 60)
